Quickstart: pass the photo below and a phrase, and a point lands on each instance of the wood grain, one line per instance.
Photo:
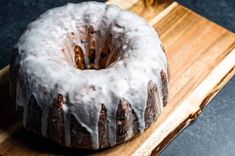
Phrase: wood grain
(201, 60)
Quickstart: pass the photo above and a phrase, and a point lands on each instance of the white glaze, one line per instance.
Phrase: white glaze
(44, 68)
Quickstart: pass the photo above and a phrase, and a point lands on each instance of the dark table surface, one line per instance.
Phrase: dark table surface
(213, 133)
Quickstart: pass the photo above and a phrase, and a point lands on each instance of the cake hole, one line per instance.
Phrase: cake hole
(93, 51)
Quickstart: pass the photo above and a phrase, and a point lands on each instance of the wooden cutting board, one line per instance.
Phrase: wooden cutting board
(201, 58)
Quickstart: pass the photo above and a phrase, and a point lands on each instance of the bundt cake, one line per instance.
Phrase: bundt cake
(89, 75)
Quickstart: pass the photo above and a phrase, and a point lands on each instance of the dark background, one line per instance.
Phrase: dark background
(213, 133)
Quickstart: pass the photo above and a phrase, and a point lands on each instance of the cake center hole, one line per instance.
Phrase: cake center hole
(91, 50)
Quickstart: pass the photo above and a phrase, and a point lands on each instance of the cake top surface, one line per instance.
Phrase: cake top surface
(48, 65)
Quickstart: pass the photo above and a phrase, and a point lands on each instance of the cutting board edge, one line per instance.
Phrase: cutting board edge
(192, 117)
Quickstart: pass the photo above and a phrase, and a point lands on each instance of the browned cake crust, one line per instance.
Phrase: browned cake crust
(126, 120)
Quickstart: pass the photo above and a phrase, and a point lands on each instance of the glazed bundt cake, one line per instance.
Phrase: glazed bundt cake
(89, 75)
